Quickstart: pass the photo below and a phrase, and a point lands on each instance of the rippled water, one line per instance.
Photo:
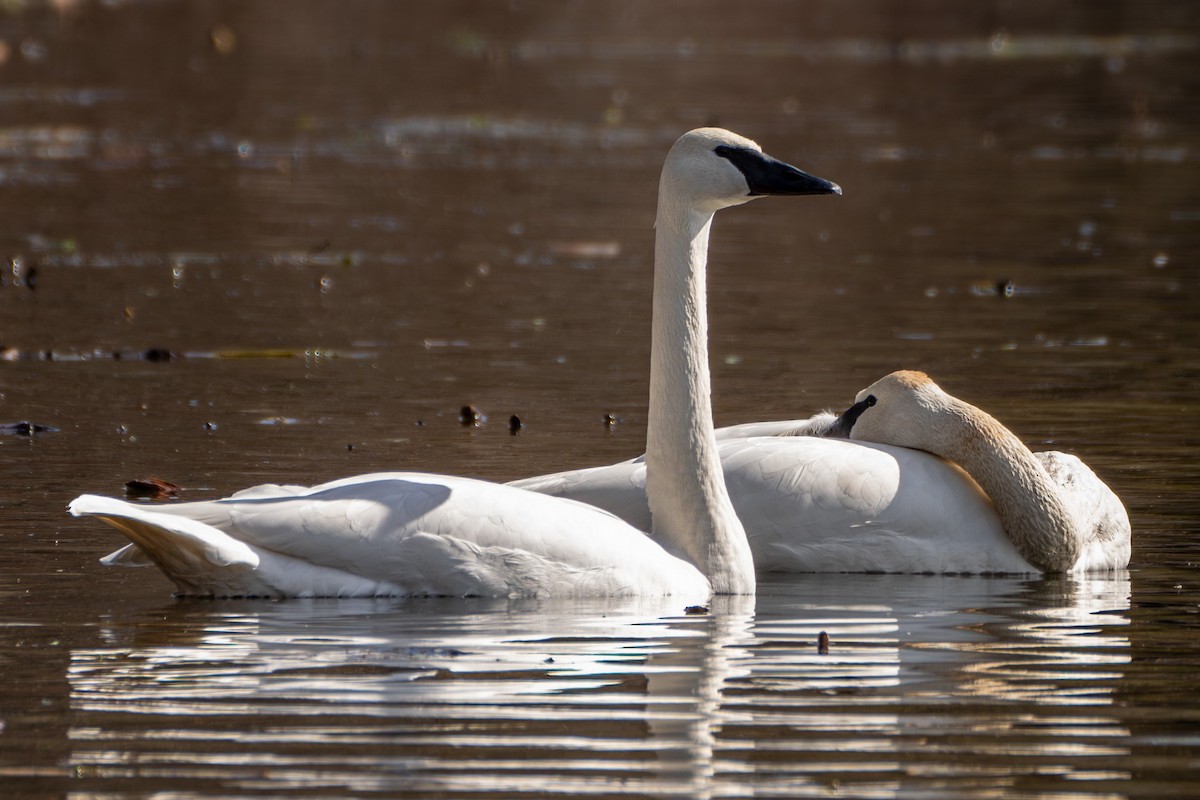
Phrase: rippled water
(933, 687)
(243, 245)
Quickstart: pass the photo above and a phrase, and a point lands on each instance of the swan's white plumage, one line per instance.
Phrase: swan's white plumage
(1102, 516)
(829, 505)
(1057, 513)
(416, 534)
(817, 425)
(395, 534)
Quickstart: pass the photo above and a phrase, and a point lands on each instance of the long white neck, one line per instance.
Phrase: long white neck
(685, 485)
(1035, 515)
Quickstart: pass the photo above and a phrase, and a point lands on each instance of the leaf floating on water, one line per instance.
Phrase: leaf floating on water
(152, 488)
(224, 40)
(266, 352)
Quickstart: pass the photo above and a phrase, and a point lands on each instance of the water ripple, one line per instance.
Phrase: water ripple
(619, 699)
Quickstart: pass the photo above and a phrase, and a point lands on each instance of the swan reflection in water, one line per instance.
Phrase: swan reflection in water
(925, 679)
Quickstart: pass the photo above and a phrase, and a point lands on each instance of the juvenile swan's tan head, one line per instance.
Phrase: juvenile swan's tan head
(910, 410)
(905, 408)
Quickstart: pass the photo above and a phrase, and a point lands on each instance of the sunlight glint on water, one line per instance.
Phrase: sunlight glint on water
(669, 704)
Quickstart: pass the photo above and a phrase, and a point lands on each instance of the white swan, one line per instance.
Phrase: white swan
(1055, 511)
(830, 505)
(410, 533)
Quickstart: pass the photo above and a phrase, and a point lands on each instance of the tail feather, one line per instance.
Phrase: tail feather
(205, 561)
(128, 556)
(198, 557)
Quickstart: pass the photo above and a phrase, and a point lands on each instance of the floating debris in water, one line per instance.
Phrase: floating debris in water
(210, 426)
(250, 352)
(471, 417)
(22, 274)
(152, 488)
(1002, 288)
(224, 40)
(25, 428)
(610, 421)
(156, 354)
(515, 425)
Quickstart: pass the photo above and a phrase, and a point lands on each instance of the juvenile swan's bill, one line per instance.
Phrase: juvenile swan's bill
(421, 534)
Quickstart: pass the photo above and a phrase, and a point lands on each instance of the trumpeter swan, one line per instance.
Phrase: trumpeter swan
(411, 533)
(830, 505)
(1055, 511)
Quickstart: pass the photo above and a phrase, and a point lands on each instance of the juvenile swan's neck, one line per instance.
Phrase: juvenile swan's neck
(685, 484)
(1031, 508)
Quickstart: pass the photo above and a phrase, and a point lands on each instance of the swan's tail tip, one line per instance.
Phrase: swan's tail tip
(89, 504)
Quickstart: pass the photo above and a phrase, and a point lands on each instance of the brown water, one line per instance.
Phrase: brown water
(347, 219)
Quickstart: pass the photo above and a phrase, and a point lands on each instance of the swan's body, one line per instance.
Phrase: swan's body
(829, 505)
(393, 534)
(409, 533)
(1054, 510)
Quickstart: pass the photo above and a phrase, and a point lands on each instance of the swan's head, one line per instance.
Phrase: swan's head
(904, 408)
(711, 168)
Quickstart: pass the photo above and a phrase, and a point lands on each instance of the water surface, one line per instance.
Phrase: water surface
(242, 245)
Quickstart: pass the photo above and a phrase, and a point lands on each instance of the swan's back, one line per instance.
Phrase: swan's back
(395, 534)
(829, 505)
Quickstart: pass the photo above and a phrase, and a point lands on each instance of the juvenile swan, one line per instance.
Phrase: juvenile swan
(830, 505)
(1055, 511)
(412, 533)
